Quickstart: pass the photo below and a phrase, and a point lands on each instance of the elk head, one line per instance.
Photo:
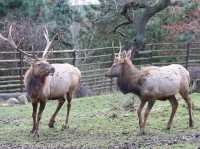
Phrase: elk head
(119, 61)
(40, 67)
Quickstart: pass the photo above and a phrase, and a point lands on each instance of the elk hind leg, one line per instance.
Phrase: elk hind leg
(52, 119)
(69, 98)
(174, 104)
(187, 98)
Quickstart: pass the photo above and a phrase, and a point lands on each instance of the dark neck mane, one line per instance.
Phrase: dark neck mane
(35, 85)
(128, 80)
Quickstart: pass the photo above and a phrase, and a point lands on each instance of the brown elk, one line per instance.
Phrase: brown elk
(150, 84)
(44, 81)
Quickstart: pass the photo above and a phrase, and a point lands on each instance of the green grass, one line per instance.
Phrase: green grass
(100, 122)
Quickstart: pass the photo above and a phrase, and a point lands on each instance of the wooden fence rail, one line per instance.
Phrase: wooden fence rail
(93, 63)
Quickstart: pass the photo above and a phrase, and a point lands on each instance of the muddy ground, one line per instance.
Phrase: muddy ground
(145, 142)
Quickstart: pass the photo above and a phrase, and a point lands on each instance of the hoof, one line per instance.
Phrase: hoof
(32, 131)
(191, 125)
(51, 124)
(168, 127)
(142, 132)
(35, 134)
(64, 127)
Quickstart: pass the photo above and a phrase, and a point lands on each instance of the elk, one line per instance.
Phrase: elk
(150, 84)
(44, 81)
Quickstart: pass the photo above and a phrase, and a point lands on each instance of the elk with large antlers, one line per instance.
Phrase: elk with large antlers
(150, 84)
(45, 81)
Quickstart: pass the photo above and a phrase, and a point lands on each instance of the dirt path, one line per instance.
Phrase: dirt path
(152, 141)
(142, 142)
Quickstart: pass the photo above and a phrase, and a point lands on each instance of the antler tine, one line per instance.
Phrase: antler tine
(10, 39)
(46, 35)
(12, 43)
(2, 37)
(120, 49)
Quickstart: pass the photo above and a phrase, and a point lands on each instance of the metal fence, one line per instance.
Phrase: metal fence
(93, 63)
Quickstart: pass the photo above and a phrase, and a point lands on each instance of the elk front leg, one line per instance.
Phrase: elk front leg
(34, 113)
(142, 103)
(39, 116)
(69, 98)
(146, 114)
(52, 119)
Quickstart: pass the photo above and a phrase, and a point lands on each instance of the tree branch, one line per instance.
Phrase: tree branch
(120, 25)
(126, 7)
(124, 12)
(143, 19)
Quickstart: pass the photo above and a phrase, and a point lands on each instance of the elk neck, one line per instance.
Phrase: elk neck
(35, 85)
(128, 82)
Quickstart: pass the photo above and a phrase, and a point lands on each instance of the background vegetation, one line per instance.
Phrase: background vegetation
(91, 26)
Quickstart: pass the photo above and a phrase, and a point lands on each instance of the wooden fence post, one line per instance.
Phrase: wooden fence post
(187, 55)
(75, 57)
(151, 54)
(21, 71)
(112, 57)
(111, 79)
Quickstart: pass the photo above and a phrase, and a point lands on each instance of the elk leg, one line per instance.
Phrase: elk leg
(187, 99)
(39, 116)
(146, 114)
(142, 103)
(174, 104)
(194, 86)
(69, 98)
(52, 119)
(34, 113)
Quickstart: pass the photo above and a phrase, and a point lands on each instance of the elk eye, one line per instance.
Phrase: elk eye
(39, 64)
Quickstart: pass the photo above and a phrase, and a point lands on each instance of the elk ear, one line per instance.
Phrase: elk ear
(128, 54)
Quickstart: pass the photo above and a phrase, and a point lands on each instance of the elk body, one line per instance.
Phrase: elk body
(44, 81)
(150, 84)
(41, 86)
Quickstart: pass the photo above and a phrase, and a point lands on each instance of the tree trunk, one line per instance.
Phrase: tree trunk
(141, 21)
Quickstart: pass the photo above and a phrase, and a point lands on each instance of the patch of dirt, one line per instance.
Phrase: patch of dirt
(168, 140)
(12, 121)
(152, 141)
(138, 142)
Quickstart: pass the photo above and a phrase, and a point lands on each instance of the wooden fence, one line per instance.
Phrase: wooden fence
(93, 63)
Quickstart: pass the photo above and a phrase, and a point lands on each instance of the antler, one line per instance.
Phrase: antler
(46, 35)
(12, 43)
(120, 49)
